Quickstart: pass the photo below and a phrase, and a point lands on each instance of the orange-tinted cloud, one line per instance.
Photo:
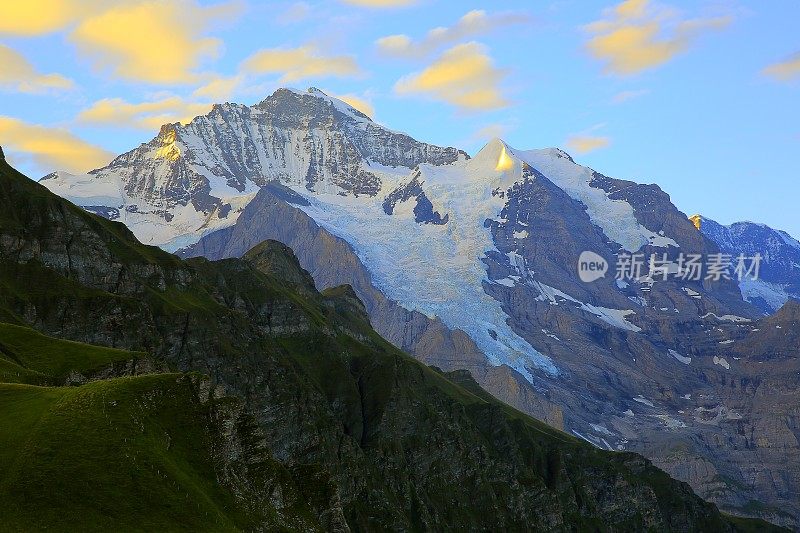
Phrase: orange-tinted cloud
(381, 3)
(584, 144)
(295, 64)
(636, 35)
(152, 41)
(785, 70)
(146, 115)
(358, 102)
(219, 89)
(51, 148)
(464, 76)
(38, 17)
(18, 74)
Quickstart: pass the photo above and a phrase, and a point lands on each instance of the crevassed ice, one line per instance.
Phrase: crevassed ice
(437, 269)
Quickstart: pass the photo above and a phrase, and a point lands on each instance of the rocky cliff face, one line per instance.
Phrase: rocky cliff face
(371, 438)
(195, 178)
(624, 364)
(779, 275)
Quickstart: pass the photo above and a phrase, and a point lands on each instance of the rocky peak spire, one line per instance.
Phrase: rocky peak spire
(2, 155)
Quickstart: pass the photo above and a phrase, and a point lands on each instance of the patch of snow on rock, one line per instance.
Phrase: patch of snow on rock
(722, 362)
(641, 399)
(682, 358)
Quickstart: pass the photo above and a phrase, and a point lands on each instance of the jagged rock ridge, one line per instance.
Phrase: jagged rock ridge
(195, 178)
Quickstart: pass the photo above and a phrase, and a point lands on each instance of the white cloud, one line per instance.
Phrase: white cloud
(624, 96)
(297, 12)
(490, 131)
(471, 25)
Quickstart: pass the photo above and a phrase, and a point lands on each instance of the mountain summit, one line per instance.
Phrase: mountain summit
(192, 179)
(779, 273)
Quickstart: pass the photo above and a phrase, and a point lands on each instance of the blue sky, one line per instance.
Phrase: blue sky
(698, 97)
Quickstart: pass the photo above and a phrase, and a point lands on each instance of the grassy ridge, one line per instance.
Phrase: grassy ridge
(120, 454)
(129, 453)
(27, 356)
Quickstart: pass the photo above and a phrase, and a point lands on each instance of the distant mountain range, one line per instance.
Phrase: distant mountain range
(471, 263)
(779, 276)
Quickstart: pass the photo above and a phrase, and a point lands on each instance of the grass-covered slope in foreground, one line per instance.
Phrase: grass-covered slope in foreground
(134, 452)
(309, 420)
(121, 453)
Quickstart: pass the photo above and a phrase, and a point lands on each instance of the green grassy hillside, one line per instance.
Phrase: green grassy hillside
(127, 453)
(27, 356)
(121, 454)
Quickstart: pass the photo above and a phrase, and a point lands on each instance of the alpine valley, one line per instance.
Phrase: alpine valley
(466, 263)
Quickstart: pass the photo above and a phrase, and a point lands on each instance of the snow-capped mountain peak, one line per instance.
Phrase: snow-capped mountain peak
(497, 156)
(615, 216)
(500, 165)
(488, 248)
(194, 178)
